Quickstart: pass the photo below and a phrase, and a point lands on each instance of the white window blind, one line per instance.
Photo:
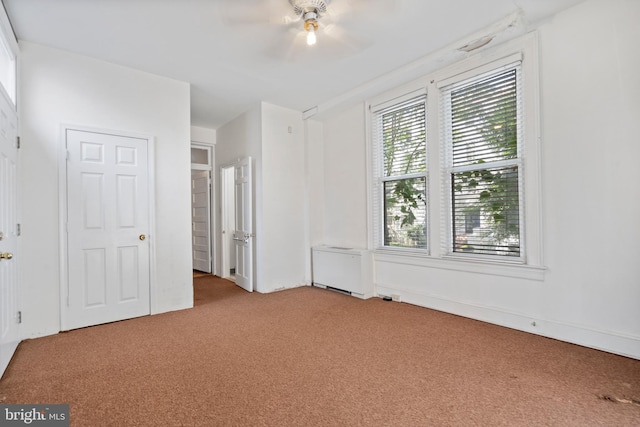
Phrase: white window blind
(483, 132)
(399, 156)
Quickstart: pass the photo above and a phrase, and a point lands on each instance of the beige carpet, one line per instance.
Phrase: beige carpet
(198, 274)
(311, 357)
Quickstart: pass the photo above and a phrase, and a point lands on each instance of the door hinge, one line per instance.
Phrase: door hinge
(17, 142)
(19, 317)
(18, 229)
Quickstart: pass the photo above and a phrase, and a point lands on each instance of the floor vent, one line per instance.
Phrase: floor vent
(342, 291)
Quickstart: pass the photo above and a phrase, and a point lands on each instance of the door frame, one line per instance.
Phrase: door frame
(211, 148)
(8, 40)
(62, 212)
(226, 186)
(209, 216)
(224, 182)
(9, 342)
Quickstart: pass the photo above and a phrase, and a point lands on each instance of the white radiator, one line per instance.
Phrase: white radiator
(344, 269)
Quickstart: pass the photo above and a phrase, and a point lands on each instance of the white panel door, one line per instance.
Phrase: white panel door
(9, 328)
(107, 229)
(243, 233)
(201, 219)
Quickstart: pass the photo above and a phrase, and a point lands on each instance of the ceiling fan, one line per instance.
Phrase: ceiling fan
(310, 11)
(335, 25)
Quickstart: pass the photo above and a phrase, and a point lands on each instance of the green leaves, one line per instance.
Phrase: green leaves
(405, 208)
(404, 150)
(484, 138)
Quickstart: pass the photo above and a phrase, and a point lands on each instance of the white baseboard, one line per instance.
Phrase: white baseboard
(624, 345)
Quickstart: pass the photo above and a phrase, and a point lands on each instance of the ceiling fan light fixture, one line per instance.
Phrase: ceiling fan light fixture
(310, 11)
(311, 26)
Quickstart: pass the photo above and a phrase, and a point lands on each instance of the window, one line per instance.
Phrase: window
(482, 138)
(8, 49)
(455, 157)
(400, 131)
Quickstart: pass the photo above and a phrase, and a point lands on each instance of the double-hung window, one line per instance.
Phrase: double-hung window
(455, 173)
(482, 134)
(401, 173)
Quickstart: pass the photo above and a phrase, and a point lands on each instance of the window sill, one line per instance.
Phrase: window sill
(480, 266)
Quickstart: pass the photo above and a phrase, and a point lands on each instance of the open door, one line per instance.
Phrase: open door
(227, 222)
(9, 314)
(243, 235)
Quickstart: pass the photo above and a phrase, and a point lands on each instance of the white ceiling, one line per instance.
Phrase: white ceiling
(236, 53)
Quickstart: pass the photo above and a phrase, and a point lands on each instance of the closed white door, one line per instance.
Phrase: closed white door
(9, 318)
(201, 219)
(243, 233)
(107, 229)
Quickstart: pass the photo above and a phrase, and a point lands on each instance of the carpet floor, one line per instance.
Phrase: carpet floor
(312, 357)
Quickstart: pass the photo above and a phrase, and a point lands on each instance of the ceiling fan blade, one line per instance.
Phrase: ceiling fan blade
(357, 10)
(257, 12)
(331, 45)
(342, 42)
(288, 46)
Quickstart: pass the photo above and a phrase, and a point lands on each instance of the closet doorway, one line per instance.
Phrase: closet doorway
(201, 207)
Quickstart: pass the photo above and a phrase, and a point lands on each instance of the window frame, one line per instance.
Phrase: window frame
(530, 264)
(449, 169)
(380, 178)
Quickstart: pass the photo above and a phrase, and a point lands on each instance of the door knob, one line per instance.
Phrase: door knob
(142, 237)
(6, 255)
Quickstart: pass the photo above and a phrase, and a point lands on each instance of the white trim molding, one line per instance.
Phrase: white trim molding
(480, 266)
(622, 344)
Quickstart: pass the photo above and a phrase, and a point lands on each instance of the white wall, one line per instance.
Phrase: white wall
(279, 190)
(241, 137)
(203, 135)
(591, 105)
(345, 179)
(591, 203)
(57, 88)
(282, 240)
(314, 193)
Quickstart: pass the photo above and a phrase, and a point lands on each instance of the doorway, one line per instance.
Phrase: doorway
(237, 223)
(228, 222)
(9, 232)
(202, 240)
(10, 315)
(201, 220)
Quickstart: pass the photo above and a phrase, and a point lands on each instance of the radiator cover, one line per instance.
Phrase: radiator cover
(345, 269)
